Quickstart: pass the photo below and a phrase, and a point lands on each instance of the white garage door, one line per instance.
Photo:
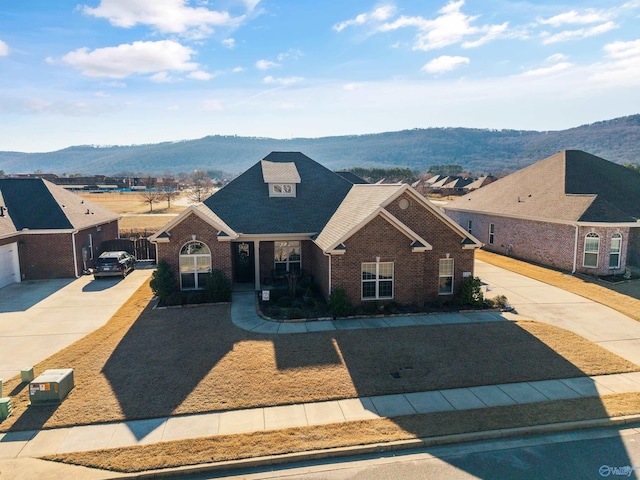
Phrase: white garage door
(9, 265)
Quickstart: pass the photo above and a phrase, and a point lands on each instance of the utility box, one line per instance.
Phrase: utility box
(5, 408)
(26, 374)
(51, 386)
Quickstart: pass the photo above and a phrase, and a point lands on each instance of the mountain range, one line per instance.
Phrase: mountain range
(476, 150)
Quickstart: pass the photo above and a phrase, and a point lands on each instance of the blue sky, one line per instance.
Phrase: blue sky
(120, 72)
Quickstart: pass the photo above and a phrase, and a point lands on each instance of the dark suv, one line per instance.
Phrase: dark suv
(111, 264)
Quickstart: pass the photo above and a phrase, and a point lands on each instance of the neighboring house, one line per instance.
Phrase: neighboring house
(572, 211)
(47, 231)
(288, 215)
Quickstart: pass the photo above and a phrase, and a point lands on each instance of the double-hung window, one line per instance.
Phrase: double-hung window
(591, 249)
(195, 265)
(614, 253)
(287, 258)
(492, 232)
(445, 276)
(377, 281)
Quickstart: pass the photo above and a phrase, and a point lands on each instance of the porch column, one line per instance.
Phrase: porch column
(256, 259)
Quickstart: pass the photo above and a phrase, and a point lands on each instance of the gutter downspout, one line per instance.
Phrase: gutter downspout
(75, 254)
(575, 251)
(329, 256)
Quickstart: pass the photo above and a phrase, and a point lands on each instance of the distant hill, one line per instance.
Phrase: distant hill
(478, 150)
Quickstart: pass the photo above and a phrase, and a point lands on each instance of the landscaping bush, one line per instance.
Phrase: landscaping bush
(339, 303)
(217, 287)
(471, 292)
(163, 281)
(285, 302)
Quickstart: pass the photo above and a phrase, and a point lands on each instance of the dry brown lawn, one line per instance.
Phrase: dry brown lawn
(155, 363)
(130, 202)
(626, 304)
(277, 442)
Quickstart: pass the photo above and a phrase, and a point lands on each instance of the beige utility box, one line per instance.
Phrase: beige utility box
(51, 386)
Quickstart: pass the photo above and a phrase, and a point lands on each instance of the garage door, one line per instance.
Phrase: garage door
(9, 265)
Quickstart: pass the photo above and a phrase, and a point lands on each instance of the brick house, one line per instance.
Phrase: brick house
(572, 211)
(47, 231)
(288, 215)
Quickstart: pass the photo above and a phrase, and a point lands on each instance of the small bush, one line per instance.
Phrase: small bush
(294, 313)
(339, 303)
(285, 302)
(218, 287)
(471, 292)
(163, 281)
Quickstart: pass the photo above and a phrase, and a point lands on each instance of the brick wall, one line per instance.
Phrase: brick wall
(108, 231)
(634, 247)
(317, 263)
(182, 233)
(545, 243)
(415, 273)
(46, 256)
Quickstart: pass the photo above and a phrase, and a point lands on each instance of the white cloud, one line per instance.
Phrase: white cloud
(238, 69)
(162, 77)
(229, 42)
(4, 49)
(291, 54)
(445, 63)
(450, 27)
(169, 16)
(283, 81)
(129, 59)
(352, 86)
(623, 49)
(577, 34)
(556, 57)
(624, 68)
(200, 75)
(266, 64)
(547, 71)
(380, 14)
(574, 17)
(212, 105)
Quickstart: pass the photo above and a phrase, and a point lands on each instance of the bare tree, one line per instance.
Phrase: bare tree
(201, 187)
(151, 196)
(168, 194)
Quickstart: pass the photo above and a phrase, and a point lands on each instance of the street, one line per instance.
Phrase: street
(585, 454)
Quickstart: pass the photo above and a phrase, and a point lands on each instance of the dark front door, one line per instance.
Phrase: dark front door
(243, 262)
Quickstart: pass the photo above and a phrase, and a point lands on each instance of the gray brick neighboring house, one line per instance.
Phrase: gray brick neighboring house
(47, 231)
(289, 215)
(573, 211)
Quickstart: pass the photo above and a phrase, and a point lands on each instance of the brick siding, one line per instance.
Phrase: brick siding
(182, 234)
(546, 243)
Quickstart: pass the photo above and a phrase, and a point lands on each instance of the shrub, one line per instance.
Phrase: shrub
(339, 303)
(285, 302)
(294, 313)
(471, 293)
(163, 281)
(218, 287)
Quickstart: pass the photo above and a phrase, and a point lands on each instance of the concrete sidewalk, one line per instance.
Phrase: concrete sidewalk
(15, 445)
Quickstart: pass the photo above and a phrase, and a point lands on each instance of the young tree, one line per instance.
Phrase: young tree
(151, 197)
(168, 194)
(201, 186)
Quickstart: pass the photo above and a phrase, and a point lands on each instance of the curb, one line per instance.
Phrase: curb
(383, 447)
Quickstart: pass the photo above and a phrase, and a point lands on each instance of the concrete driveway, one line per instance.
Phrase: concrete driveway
(538, 301)
(39, 318)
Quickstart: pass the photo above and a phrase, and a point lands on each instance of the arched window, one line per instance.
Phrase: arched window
(614, 252)
(591, 249)
(195, 264)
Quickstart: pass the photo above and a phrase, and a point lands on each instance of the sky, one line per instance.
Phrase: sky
(123, 72)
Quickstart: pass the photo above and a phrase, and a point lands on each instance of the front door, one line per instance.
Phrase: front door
(243, 262)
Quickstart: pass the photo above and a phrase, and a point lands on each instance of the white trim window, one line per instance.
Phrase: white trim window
(591, 250)
(492, 233)
(282, 190)
(445, 276)
(195, 265)
(614, 252)
(377, 280)
(287, 258)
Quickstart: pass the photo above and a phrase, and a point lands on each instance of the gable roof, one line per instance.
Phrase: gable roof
(245, 206)
(570, 186)
(37, 204)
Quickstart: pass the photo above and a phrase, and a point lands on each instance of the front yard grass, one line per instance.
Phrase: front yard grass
(625, 304)
(148, 363)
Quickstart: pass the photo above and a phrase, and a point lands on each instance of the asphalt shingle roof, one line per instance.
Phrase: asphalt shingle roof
(36, 204)
(569, 186)
(245, 206)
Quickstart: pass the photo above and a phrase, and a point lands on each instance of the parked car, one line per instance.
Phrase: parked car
(112, 264)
